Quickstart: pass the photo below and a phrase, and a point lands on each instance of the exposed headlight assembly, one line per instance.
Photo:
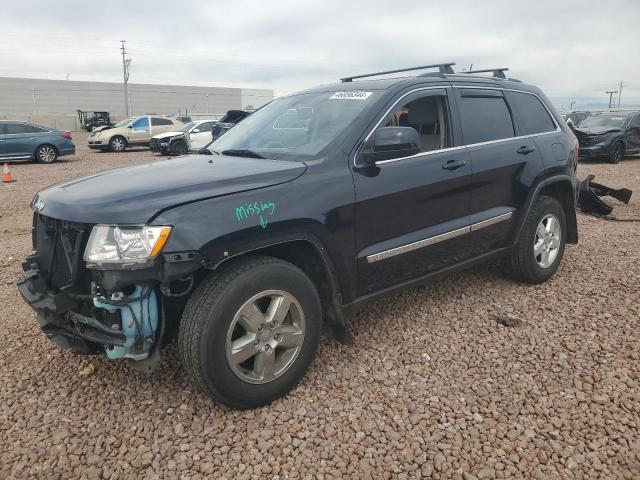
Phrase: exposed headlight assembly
(109, 244)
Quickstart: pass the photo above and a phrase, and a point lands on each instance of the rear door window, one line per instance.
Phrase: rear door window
(530, 114)
(485, 116)
(160, 121)
(15, 128)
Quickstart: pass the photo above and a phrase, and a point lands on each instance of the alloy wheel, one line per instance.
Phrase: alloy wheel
(117, 144)
(47, 154)
(546, 244)
(265, 336)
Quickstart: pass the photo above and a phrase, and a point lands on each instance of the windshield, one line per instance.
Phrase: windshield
(603, 121)
(298, 127)
(186, 127)
(123, 123)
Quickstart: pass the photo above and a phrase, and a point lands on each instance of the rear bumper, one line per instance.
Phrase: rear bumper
(71, 150)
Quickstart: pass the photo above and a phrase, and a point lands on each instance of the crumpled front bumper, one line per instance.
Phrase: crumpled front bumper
(58, 317)
(593, 151)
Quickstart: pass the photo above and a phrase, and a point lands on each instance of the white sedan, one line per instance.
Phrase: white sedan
(191, 137)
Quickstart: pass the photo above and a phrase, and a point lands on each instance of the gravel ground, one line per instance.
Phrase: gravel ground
(434, 385)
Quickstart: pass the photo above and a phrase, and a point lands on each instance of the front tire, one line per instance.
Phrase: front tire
(250, 331)
(179, 148)
(46, 154)
(541, 244)
(617, 152)
(117, 144)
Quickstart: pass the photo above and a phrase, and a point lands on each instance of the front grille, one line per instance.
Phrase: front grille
(60, 245)
(588, 140)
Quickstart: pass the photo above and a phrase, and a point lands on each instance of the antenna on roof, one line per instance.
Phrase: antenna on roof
(444, 68)
(496, 72)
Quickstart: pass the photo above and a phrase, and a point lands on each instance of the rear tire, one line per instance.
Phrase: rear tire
(250, 331)
(541, 244)
(46, 154)
(117, 144)
(617, 152)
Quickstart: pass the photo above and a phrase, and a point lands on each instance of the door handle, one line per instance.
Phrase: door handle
(525, 149)
(453, 164)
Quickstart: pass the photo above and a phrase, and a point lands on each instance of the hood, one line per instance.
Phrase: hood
(160, 136)
(595, 130)
(101, 128)
(135, 194)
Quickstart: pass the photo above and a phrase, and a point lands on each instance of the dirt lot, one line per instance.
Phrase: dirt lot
(433, 386)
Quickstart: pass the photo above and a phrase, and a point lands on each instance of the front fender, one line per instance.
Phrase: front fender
(308, 208)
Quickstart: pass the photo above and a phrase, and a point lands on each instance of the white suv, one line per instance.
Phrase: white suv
(191, 137)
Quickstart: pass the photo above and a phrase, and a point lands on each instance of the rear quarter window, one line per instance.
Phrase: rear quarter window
(160, 121)
(530, 114)
(484, 118)
(34, 129)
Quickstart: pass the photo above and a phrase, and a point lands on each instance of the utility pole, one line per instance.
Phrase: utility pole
(126, 62)
(572, 104)
(611, 93)
(619, 93)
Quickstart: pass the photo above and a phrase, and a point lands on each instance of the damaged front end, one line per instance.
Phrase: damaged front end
(116, 312)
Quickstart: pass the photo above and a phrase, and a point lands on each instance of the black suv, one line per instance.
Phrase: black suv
(307, 210)
(609, 135)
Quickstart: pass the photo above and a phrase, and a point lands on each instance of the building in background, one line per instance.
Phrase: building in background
(55, 102)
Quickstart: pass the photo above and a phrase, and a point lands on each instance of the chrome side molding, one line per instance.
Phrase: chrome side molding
(376, 257)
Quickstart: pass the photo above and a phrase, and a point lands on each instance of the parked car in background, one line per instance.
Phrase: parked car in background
(609, 135)
(574, 119)
(135, 131)
(30, 141)
(191, 136)
(231, 118)
(311, 208)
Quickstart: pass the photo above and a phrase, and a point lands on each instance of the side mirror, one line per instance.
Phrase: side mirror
(390, 143)
(129, 126)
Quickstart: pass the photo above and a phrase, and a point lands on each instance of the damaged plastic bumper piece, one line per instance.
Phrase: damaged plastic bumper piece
(126, 328)
(589, 199)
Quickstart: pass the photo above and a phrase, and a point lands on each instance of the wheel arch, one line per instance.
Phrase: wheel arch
(563, 189)
(47, 144)
(308, 254)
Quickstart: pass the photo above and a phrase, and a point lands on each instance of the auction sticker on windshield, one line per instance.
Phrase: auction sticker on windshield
(350, 95)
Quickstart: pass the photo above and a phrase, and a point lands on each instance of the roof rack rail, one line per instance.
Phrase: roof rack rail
(443, 67)
(497, 72)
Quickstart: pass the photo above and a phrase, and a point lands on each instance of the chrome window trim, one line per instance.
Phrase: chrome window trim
(459, 147)
(392, 252)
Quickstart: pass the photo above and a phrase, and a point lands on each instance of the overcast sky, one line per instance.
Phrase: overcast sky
(571, 49)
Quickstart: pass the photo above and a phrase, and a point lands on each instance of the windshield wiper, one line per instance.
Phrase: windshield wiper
(242, 153)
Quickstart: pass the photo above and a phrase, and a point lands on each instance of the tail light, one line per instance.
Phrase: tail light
(66, 135)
